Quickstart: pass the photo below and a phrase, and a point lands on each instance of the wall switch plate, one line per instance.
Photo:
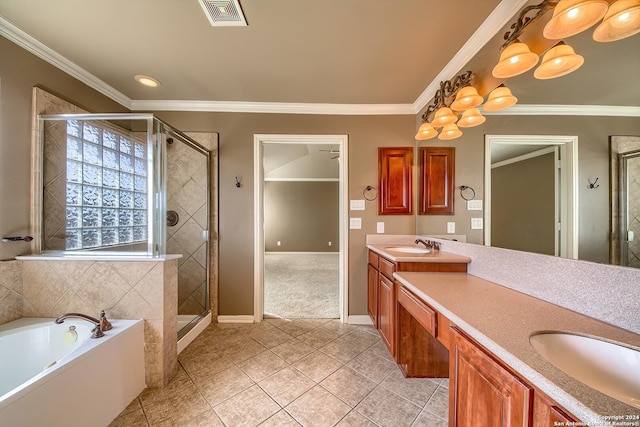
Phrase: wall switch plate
(355, 223)
(278, 243)
(474, 205)
(380, 227)
(356, 205)
(476, 223)
(451, 227)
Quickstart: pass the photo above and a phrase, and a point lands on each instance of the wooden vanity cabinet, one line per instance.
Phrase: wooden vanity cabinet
(395, 180)
(547, 413)
(437, 170)
(483, 391)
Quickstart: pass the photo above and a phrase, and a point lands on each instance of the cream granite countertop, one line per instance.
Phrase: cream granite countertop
(438, 256)
(502, 320)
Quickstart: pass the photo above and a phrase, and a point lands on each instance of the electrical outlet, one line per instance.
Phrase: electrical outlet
(329, 243)
(476, 223)
(451, 227)
(355, 223)
(380, 227)
(278, 243)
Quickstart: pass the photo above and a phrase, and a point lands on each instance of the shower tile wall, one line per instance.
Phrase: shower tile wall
(187, 195)
(11, 295)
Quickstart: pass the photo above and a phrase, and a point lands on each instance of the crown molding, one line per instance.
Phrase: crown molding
(272, 107)
(567, 110)
(9, 31)
(500, 16)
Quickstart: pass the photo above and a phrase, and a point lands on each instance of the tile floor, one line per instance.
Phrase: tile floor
(310, 372)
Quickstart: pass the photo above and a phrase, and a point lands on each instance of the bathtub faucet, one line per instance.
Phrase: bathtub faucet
(97, 330)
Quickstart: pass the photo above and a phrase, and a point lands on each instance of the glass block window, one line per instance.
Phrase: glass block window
(106, 187)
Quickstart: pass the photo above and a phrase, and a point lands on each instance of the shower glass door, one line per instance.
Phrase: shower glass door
(187, 220)
(630, 209)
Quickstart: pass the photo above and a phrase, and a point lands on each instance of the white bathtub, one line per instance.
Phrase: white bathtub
(48, 378)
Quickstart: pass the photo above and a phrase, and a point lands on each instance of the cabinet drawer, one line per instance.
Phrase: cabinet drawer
(424, 314)
(373, 259)
(386, 267)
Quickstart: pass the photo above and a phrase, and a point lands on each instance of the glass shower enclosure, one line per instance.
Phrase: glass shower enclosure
(127, 185)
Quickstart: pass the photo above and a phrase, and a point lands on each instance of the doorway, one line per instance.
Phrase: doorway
(300, 229)
(561, 193)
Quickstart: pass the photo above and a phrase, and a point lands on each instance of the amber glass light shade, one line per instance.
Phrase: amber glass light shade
(558, 61)
(426, 131)
(444, 116)
(622, 20)
(515, 59)
(450, 131)
(466, 98)
(574, 16)
(471, 118)
(499, 99)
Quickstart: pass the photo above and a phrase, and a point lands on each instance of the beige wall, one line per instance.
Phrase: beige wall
(366, 134)
(302, 216)
(593, 162)
(522, 205)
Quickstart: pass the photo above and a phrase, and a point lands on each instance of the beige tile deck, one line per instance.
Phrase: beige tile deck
(283, 372)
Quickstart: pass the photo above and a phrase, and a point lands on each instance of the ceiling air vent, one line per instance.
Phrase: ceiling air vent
(223, 13)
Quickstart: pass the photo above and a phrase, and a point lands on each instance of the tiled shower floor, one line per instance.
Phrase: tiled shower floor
(310, 372)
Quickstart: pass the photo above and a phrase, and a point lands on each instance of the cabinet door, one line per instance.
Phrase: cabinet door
(546, 412)
(484, 392)
(386, 312)
(372, 294)
(437, 170)
(395, 181)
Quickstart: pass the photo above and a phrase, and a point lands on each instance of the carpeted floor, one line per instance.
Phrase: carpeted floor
(301, 285)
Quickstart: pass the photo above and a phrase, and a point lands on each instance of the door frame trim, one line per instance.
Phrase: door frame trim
(258, 214)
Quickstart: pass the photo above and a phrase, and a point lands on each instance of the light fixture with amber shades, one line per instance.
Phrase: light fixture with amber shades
(466, 98)
(426, 131)
(443, 117)
(515, 59)
(571, 17)
(499, 99)
(622, 20)
(471, 118)
(558, 61)
(450, 131)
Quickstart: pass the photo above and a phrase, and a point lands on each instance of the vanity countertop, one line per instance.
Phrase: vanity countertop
(437, 256)
(502, 320)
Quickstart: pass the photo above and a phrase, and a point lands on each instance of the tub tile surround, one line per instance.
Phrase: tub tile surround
(124, 289)
(11, 291)
(605, 292)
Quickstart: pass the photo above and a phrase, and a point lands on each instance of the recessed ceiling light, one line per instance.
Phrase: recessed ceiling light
(147, 81)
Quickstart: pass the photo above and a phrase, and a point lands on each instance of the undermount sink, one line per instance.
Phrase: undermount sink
(610, 368)
(409, 249)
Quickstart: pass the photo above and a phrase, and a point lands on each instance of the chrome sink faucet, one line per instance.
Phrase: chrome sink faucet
(99, 325)
(429, 244)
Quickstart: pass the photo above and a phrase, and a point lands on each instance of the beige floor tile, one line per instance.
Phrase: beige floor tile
(286, 385)
(243, 349)
(134, 418)
(363, 337)
(438, 404)
(280, 419)
(272, 337)
(381, 350)
(249, 408)
(293, 350)
(317, 407)
(388, 409)
(176, 408)
(318, 365)
(133, 406)
(205, 419)
(355, 419)
(417, 390)
(348, 385)
(262, 365)
(318, 337)
(205, 365)
(224, 385)
(373, 367)
(427, 419)
(337, 327)
(342, 349)
(180, 385)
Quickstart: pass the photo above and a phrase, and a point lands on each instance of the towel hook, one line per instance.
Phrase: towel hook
(594, 184)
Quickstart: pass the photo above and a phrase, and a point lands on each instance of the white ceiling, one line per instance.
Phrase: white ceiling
(302, 56)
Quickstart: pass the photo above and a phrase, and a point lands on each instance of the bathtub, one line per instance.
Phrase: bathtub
(56, 375)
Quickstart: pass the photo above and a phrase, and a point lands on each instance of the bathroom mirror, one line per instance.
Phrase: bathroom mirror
(607, 93)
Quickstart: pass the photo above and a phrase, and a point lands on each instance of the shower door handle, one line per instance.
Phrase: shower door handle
(205, 235)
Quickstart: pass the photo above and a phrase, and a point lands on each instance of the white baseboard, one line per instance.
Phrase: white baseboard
(243, 318)
(360, 319)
